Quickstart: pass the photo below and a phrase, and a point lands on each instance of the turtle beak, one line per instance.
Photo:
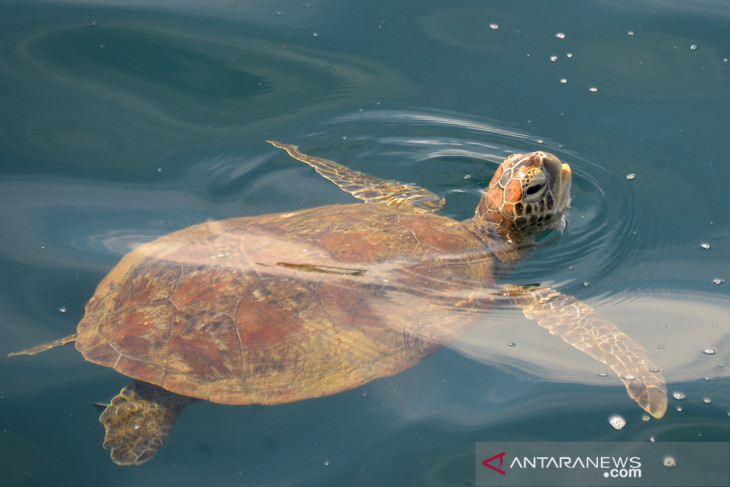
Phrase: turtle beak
(566, 174)
(566, 179)
(562, 185)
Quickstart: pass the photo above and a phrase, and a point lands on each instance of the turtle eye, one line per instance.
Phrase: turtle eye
(534, 189)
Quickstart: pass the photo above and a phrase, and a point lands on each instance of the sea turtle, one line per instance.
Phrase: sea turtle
(282, 307)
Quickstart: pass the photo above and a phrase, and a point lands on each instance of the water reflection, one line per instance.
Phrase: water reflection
(57, 223)
(137, 88)
(665, 323)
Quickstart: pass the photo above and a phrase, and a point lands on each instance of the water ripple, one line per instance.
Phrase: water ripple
(446, 153)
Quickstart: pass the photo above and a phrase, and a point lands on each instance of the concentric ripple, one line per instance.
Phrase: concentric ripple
(456, 155)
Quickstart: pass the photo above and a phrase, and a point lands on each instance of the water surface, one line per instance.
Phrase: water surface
(124, 121)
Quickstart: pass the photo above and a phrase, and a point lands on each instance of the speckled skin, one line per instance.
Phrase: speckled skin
(138, 422)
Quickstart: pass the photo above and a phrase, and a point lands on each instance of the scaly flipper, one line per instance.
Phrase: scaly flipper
(584, 328)
(138, 422)
(369, 188)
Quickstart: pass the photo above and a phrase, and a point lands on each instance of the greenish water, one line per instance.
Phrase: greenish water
(124, 121)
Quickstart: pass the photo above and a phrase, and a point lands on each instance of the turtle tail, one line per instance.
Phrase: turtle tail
(138, 422)
(45, 346)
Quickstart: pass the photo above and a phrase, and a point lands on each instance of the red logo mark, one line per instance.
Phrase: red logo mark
(501, 458)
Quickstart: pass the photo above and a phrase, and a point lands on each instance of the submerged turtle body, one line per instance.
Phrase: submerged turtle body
(290, 306)
(283, 307)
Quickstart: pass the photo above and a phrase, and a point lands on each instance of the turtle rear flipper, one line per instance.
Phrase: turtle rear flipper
(138, 422)
(584, 328)
(369, 188)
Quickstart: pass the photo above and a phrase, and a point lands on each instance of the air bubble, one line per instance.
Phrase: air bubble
(563, 80)
(631, 176)
(718, 281)
(705, 245)
(315, 34)
(618, 422)
(707, 400)
(553, 59)
(593, 89)
(679, 396)
(645, 417)
(693, 47)
(560, 35)
(669, 461)
(62, 309)
(326, 463)
(511, 344)
(709, 351)
(493, 26)
(630, 33)
(603, 374)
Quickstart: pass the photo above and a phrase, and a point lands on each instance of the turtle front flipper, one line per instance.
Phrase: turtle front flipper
(369, 188)
(138, 422)
(584, 328)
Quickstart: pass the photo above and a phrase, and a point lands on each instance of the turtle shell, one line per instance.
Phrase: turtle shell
(288, 306)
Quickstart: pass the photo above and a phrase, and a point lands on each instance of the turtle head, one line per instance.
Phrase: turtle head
(527, 195)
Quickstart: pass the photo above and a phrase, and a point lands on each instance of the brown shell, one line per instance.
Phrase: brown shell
(288, 306)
